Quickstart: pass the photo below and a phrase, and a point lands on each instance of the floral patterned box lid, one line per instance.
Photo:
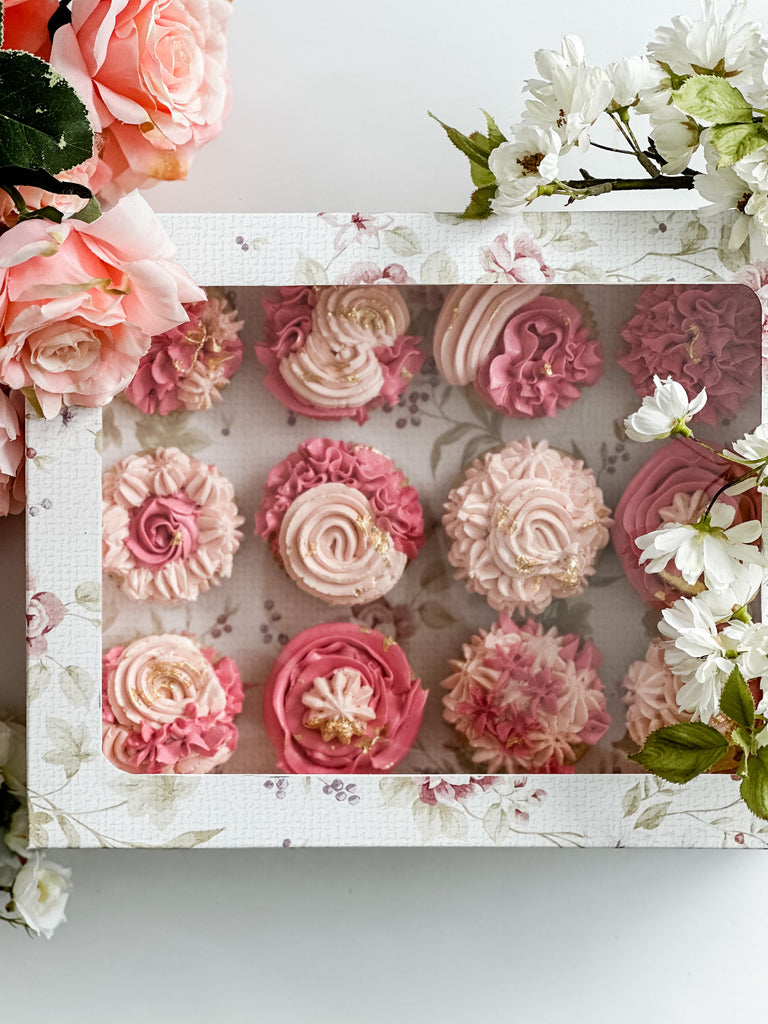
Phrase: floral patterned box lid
(77, 798)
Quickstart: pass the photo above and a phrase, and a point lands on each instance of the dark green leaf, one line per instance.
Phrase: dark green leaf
(735, 141)
(736, 700)
(754, 787)
(712, 99)
(495, 135)
(39, 178)
(479, 206)
(463, 143)
(43, 122)
(482, 177)
(678, 753)
(90, 212)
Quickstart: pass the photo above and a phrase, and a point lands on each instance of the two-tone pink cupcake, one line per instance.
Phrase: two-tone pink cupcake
(170, 526)
(526, 700)
(342, 699)
(704, 336)
(526, 526)
(342, 520)
(335, 352)
(526, 354)
(650, 693)
(168, 706)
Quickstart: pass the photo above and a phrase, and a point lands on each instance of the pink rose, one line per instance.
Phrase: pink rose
(705, 336)
(288, 322)
(672, 486)
(322, 461)
(162, 530)
(153, 75)
(25, 26)
(44, 612)
(523, 262)
(188, 366)
(79, 303)
(542, 358)
(168, 706)
(11, 452)
(341, 699)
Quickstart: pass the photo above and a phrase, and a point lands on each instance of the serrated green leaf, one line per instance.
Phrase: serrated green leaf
(678, 753)
(712, 99)
(43, 122)
(754, 787)
(479, 206)
(653, 816)
(402, 240)
(735, 141)
(631, 800)
(463, 143)
(736, 700)
(495, 134)
(483, 177)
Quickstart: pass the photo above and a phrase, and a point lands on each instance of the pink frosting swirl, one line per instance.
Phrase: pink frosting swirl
(673, 483)
(168, 706)
(705, 336)
(541, 360)
(650, 693)
(524, 699)
(169, 526)
(526, 526)
(469, 324)
(332, 549)
(395, 504)
(337, 351)
(341, 699)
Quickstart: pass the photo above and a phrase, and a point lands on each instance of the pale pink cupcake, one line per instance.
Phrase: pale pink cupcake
(189, 366)
(168, 706)
(336, 352)
(341, 698)
(169, 526)
(527, 354)
(12, 495)
(526, 525)
(651, 695)
(526, 700)
(342, 521)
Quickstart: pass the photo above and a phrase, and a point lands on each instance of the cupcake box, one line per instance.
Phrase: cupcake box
(592, 270)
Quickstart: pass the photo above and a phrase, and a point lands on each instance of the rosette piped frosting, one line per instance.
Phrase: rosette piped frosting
(526, 525)
(338, 351)
(342, 521)
(169, 526)
(168, 706)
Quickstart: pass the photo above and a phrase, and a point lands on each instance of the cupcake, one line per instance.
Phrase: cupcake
(169, 526)
(705, 336)
(189, 366)
(526, 700)
(168, 706)
(673, 486)
(650, 693)
(334, 352)
(342, 521)
(526, 525)
(342, 699)
(527, 354)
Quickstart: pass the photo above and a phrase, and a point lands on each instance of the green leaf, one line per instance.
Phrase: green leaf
(402, 240)
(308, 271)
(495, 134)
(496, 823)
(88, 595)
(754, 787)
(188, 840)
(43, 122)
(735, 141)
(398, 791)
(439, 268)
(631, 800)
(38, 178)
(736, 700)
(653, 816)
(678, 753)
(76, 685)
(692, 237)
(38, 680)
(463, 143)
(483, 177)
(479, 206)
(573, 241)
(712, 99)
(90, 212)
(434, 615)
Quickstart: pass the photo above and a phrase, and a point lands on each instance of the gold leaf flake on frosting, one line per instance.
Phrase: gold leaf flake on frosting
(571, 574)
(546, 369)
(339, 705)
(694, 332)
(503, 522)
(366, 317)
(379, 540)
(525, 565)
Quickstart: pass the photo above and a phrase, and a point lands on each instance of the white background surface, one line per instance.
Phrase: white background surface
(329, 112)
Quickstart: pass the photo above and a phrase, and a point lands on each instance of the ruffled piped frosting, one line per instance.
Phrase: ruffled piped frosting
(650, 693)
(526, 525)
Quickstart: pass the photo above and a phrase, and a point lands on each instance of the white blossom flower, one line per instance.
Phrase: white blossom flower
(675, 134)
(570, 95)
(17, 834)
(724, 604)
(40, 894)
(753, 169)
(725, 45)
(725, 190)
(757, 210)
(665, 412)
(712, 547)
(520, 166)
(697, 654)
(751, 451)
(630, 77)
(750, 641)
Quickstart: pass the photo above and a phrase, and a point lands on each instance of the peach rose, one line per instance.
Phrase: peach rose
(25, 25)
(79, 303)
(153, 74)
